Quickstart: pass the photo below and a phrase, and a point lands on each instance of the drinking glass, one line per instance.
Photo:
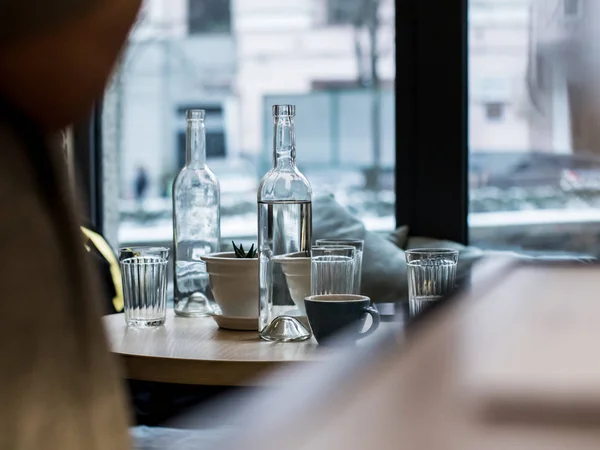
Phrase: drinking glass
(431, 275)
(332, 270)
(358, 245)
(144, 276)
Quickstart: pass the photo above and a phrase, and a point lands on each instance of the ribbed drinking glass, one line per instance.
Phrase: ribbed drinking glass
(431, 275)
(144, 276)
(332, 270)
(358, 245)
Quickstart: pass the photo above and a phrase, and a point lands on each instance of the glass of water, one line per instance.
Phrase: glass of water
(431, 275)
(332, 270)
(358, 245)
(144, 276)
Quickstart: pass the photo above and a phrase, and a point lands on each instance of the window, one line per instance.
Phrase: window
(215, 132)
(534, 174)
(524, 111)
(343, 12)
(215, 145)
(494, 112)
(328, 85)
(208, 16)
(517, 159)
(345, 129)
(571, 8)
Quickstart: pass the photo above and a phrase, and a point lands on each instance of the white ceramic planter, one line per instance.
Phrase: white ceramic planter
(234, 283)
(296, 268)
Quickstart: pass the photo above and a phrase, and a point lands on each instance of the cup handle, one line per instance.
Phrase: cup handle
(375, 316)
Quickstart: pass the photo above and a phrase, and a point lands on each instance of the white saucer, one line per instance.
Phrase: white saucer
(250, 323)
(235, 323)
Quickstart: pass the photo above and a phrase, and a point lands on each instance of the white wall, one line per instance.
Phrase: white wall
(276, 47)
(282, 47)
(161, 18)
(498, 55)
(334, 129)
(159, 77)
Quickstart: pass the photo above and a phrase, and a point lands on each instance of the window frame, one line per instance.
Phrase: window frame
(431, 170)
(87, 159)
(194, 29)
(432, 167)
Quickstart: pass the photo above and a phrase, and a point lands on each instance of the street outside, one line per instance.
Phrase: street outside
(529, 217)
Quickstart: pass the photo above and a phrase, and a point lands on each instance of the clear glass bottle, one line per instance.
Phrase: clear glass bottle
(196, 223)
(284, 226)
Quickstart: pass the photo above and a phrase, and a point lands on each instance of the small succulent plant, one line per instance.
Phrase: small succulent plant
(129, 253)
(241, 253)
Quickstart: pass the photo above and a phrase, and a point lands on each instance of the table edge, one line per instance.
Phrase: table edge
(200, 372)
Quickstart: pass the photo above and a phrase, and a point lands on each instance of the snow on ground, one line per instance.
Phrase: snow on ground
(245, 226)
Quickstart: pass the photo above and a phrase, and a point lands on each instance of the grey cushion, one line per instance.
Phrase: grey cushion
(384, 276)
(399, 237)
(384, 268)
(467, 256)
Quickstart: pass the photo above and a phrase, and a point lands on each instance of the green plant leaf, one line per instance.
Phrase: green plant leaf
(238, 253)
(241, 253)
(133, 254)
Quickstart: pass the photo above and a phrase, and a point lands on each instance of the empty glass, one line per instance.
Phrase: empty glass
(431, 275)
(332, 270)
(144, 276)
(358, 245)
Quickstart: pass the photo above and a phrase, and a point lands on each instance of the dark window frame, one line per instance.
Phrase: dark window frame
(198, 24)
(431, 168)
(431, 148)
(87, 159)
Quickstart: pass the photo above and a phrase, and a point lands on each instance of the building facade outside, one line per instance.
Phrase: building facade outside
(174, 62)
(236, 58)
(233, 59)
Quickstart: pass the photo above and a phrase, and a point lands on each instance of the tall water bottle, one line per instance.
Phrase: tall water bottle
(284, 226)
(196, 222)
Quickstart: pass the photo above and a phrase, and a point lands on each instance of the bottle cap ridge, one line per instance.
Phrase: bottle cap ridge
(284, 110)
(195, 114)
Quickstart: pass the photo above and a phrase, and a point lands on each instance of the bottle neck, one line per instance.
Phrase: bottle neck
(284, 142)
(195, 143)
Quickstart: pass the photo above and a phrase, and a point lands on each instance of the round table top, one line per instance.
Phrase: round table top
(197, 351)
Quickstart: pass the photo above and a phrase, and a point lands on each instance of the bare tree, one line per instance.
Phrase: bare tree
(366, 30)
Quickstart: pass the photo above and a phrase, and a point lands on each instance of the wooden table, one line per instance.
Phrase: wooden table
(196, 351)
